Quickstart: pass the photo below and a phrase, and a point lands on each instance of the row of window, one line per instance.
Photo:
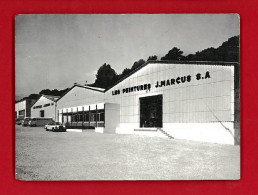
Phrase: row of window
(84, 117)
(45, 105)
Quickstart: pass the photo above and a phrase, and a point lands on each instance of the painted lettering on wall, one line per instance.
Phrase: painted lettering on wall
(164, 83)
(132, 89)
(200, 76)
(173, 81)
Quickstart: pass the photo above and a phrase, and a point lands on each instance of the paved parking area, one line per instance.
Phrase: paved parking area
(44, 155)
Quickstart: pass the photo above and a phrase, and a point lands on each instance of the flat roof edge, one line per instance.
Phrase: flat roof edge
(215, 63)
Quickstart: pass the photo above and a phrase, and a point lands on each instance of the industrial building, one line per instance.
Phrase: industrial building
(182, 100)
(22, 108)
(44, 107)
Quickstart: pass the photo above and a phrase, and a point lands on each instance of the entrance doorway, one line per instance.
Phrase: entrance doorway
(41, 113)
(151, 111)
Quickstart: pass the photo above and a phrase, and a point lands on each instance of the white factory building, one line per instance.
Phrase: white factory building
(44, 107)
(22, 108)
(183, 100)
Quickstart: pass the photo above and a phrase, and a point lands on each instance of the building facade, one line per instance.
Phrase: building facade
(82, 107)
(183, 100)
(22, 108)
(45, 107)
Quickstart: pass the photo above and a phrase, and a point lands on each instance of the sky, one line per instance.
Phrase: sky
(56, 51)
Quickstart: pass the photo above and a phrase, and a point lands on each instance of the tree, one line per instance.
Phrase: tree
(62, 92)
(126, 71)
(137, 64)
(227, 52)
(54, 92)
(45, 92)
(153, 58)
(173, 54)
(105, 76)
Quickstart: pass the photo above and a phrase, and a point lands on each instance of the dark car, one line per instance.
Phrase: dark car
(18, 121)
(25, 121)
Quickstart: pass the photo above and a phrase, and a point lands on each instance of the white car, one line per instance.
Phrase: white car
(54, 126)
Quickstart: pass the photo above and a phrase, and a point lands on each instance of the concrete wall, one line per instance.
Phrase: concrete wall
(25, 106)
(19, 107)
(199, 102)
(79, 96)
(112, 117)
(49, 111)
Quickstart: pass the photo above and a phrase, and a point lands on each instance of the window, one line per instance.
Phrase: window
(80, 117)
(21, 112)
(46, 105)
(93, 117)
(86, 116)
(73, 118)
(42, 114)
(101, 115)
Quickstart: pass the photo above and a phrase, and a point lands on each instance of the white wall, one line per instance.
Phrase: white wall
(203, 102)
(20, 106)
(191, 110)
(49, 111)
(79, 96)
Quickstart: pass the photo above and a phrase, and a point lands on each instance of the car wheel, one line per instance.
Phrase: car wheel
(53, 129)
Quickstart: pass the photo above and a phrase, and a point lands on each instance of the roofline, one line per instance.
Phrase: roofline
(77, 85)
(43, 95)
(36, 101)
(92, 88)
(21, 100)
(215, 63)
(46, 96)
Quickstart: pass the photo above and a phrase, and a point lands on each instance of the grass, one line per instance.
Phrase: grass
(42, 155)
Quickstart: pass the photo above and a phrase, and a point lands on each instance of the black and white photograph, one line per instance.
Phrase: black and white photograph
(127, 97)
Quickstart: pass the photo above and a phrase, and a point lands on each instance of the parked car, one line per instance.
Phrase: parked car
(55, 126)
(25, 122)
(36, 122)
(18, 121)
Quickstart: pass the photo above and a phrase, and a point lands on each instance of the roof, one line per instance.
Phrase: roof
(85, 87)
(93, 88)
(24, 99)
(50, 97)
(21, 100)
(212, 63)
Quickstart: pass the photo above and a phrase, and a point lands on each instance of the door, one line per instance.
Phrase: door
(151, 111)
(42, 113)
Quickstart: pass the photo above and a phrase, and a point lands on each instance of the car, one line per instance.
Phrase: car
(26, 121)
(54, 126)
(18, 121)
